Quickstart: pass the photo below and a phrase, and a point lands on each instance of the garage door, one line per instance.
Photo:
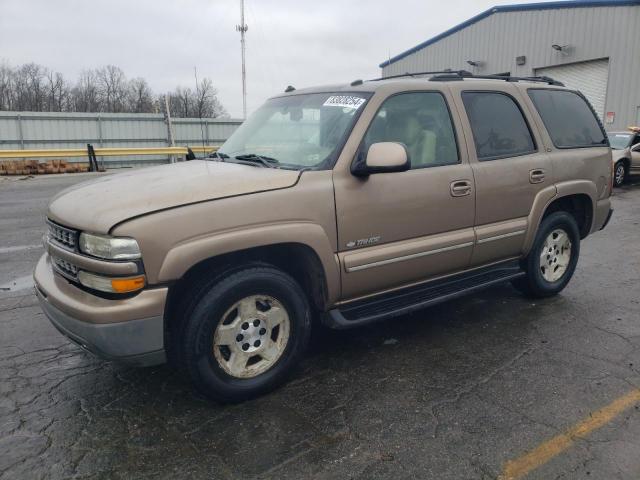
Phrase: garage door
(588, 77)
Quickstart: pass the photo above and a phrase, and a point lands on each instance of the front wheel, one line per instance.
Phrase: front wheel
(246, 333)
(619, 174)
(553, 257)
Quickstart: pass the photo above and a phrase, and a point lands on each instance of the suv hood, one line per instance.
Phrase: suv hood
(98, 205)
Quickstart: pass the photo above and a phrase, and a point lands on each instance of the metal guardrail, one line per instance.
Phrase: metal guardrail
(103, 152)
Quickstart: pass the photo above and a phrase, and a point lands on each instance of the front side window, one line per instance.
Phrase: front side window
(498, 125)
(568, 118)
(419, 120)
(297, 131)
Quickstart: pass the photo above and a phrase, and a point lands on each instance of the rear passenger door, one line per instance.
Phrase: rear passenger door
(509, 166)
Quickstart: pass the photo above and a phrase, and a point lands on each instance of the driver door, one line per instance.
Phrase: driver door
(399, 228)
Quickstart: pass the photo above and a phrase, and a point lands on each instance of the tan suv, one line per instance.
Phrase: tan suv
(343, 204)
(626, 154)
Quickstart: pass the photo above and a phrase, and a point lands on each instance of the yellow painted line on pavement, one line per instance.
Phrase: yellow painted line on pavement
(518, 468)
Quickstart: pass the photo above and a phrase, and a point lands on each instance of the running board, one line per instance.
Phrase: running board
(400, 302)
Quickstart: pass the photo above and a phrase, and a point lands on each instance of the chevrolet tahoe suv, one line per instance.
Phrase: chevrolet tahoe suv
(344, 205)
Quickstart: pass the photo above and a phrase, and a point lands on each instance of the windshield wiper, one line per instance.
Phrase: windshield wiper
(219, 155)
(268, 162)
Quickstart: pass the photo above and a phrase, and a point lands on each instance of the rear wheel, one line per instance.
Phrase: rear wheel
(553, 257)
(619, 174)
(245, 334)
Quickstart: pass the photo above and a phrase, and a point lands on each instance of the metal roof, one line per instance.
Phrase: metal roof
(513, 8)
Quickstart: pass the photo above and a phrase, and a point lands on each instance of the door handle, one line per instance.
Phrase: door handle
(460, 188)
(536, 175)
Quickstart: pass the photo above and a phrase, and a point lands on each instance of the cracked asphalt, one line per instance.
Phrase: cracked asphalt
(451, 392)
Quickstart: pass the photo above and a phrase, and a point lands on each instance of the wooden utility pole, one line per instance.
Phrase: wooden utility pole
(172, 143)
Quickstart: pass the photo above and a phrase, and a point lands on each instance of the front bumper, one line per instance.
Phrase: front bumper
(130, 330)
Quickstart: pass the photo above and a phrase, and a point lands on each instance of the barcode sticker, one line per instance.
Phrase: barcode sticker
(344, 101)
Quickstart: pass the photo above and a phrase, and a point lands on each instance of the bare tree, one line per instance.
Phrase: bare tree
(36, 88)
(206, 103)
(112, 88)
(29, 88)
(139, 96)
(84, 95)
(181, 102)
(57, 92)
(6, 87)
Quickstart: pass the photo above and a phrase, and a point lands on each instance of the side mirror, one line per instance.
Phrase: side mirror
(382, 157)
(636, 147)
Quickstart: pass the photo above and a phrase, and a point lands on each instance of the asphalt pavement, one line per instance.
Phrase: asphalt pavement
(489, 386)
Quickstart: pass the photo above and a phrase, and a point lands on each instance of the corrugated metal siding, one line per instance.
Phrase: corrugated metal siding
(588, 77)
(31, 130)
(611, 32)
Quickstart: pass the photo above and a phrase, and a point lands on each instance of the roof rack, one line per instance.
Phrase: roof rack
(461, 75)
(452, 75)
(417, 74)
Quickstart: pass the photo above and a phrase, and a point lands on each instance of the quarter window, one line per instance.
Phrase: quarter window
(568, 118)
(420, 121)
(499, 128)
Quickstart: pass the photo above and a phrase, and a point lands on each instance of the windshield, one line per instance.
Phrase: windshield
(619, 141)
(297, 131)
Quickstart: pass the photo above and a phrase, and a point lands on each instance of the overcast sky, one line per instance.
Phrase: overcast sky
(298, 43)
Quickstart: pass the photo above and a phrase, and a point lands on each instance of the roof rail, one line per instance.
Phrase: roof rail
(452, 75)
(416, 74)
(462, 74)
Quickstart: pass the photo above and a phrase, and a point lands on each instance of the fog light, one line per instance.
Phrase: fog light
(110, 284)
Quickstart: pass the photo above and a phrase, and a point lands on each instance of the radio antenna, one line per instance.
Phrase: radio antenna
(242, 28)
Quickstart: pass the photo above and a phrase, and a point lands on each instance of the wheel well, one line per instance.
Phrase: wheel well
(579, 206)
(298, 260)
(626, 162)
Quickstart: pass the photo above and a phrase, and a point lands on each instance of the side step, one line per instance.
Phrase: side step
(407, 300)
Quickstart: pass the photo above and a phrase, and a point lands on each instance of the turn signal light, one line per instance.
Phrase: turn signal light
(124, 285)
(111, 284)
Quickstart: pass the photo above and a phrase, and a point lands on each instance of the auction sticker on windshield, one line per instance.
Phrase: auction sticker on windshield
(345, 101)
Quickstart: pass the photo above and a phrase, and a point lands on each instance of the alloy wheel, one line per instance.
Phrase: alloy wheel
(555, 255)
(251, 336)
(619, 175)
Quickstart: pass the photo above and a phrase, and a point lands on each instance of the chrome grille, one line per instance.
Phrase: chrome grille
(65, 268)
(62, 236)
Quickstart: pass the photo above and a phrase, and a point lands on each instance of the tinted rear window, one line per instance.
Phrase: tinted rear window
(498, 126)
(568, 118)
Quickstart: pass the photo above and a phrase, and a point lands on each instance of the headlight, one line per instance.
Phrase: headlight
(110, 284)
(112, 248)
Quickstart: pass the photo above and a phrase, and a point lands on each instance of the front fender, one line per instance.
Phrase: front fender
(185, 255)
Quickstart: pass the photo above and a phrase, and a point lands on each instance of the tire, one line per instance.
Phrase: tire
(548, 274)
(619, 174)
(232, 346)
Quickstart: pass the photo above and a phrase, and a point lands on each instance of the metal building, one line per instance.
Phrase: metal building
(589, 45)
